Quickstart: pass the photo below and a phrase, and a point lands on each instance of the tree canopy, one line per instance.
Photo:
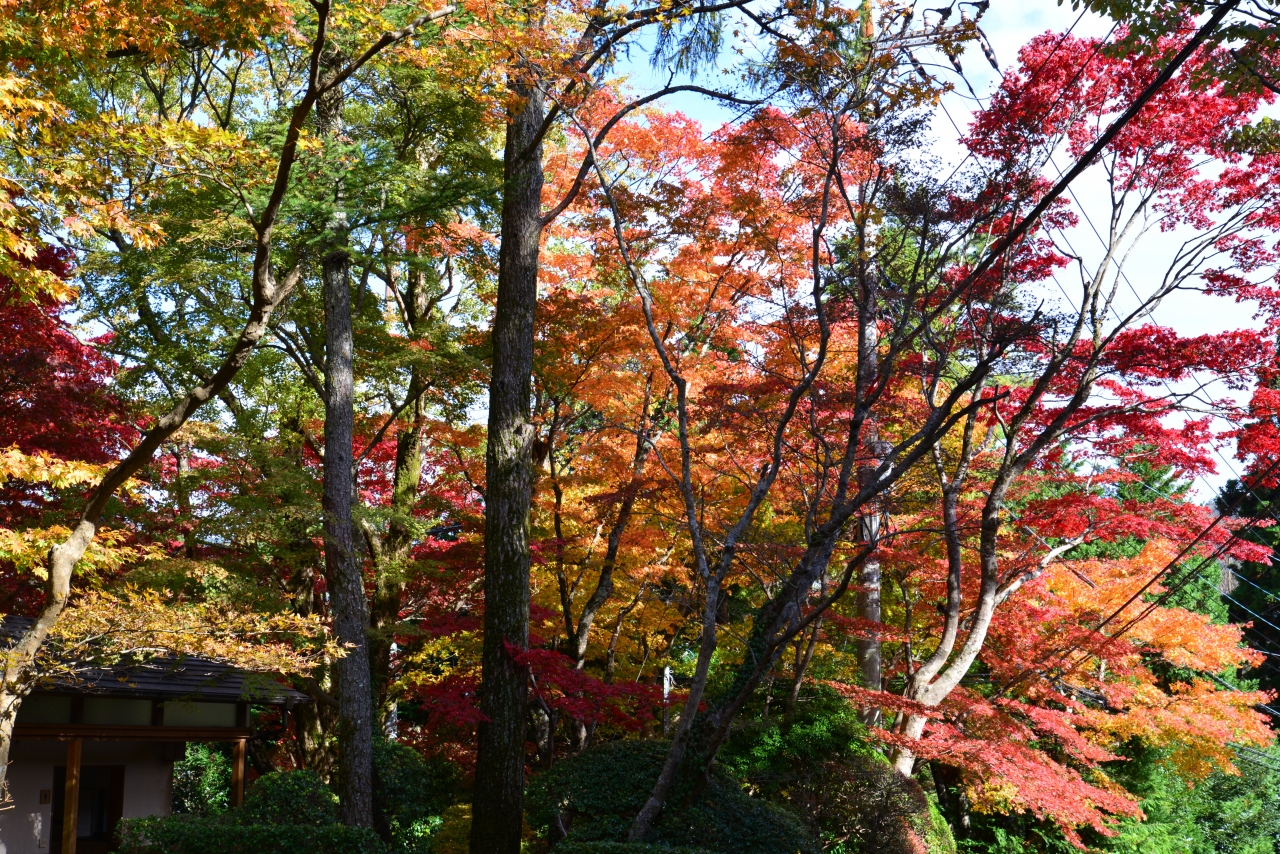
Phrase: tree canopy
(775, 473)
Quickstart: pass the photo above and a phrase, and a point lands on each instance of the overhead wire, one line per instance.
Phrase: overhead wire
(1242, 607)
(1265, 652)
(1174, 588)
(1255, 757)
(1123, 274)
(1030, 80)
(1171, 590)
(1259, 587)
(1274, 554)
(1186, 578)
(1246, 628)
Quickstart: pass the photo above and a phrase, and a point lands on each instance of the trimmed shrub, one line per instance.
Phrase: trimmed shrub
(294, 811)
(410, 795)
(594, 797)
(568, 847)
(819, 763)
(200, 835)
(288, 798)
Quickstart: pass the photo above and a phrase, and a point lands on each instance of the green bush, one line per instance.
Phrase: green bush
(410, 795)
(202, 780)
(599, 792)
(201, 835)
(818, 761)
(824, 727)
(297, 808)
(568, 847)
(288, 798)
(938, 838)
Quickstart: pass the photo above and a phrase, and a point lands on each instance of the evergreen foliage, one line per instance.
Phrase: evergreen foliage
(202, 780)
(819, 762)
(288, 798)
(595, 795)
(410, 795)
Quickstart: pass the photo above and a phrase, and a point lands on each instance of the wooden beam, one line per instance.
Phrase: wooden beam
(237, 772)
(71, 797)
(93, 732)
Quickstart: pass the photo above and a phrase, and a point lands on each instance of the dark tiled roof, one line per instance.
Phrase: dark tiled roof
(163, 678)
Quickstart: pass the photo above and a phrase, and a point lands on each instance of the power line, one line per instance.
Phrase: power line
(1182, 582)
(1266, 640)
(1172, 590)
(1255, 757)
(1249, 754)
(1226, 595)
(1030, 80)
(1173, 563)
(1259, 587)
(1241, 606)
(1265, 652)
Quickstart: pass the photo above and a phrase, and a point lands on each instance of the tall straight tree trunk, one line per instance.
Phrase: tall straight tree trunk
(389, 551)
(388, 555)
(342, 563)
(869, 580)
(498, 805)
(869, 662)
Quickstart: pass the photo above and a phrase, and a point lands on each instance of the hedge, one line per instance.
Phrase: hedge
(601, 790)
(602, 847)
(200, 835)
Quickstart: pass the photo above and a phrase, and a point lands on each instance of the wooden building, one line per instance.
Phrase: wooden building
(100, 746)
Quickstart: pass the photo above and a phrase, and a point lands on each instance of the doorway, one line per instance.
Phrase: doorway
(100, 807)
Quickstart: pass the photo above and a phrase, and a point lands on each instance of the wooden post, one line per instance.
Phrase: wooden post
(237, 773)
(71, 797)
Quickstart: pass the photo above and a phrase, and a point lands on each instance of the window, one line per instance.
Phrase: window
(187, 713)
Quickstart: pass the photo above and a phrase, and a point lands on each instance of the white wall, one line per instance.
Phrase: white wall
(148, 782)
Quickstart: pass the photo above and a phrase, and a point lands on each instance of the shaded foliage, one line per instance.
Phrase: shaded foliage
(819, 761)
(200, 835)
(592, 797)
(202, 780)
(410, 795)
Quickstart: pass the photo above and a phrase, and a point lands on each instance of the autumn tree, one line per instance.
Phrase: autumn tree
(1115, 399)
(557, 55)
(152, 152)
(944, 303)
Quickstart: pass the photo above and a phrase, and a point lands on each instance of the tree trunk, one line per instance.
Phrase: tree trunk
(312, 723)
(868, 602)
(342, 564)
(182, 489)
(949, 787)
(869, 581)
(604, 586)
(684, 729)
(904, 759)
(498, 804)
(805, 646)
(389, 557)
